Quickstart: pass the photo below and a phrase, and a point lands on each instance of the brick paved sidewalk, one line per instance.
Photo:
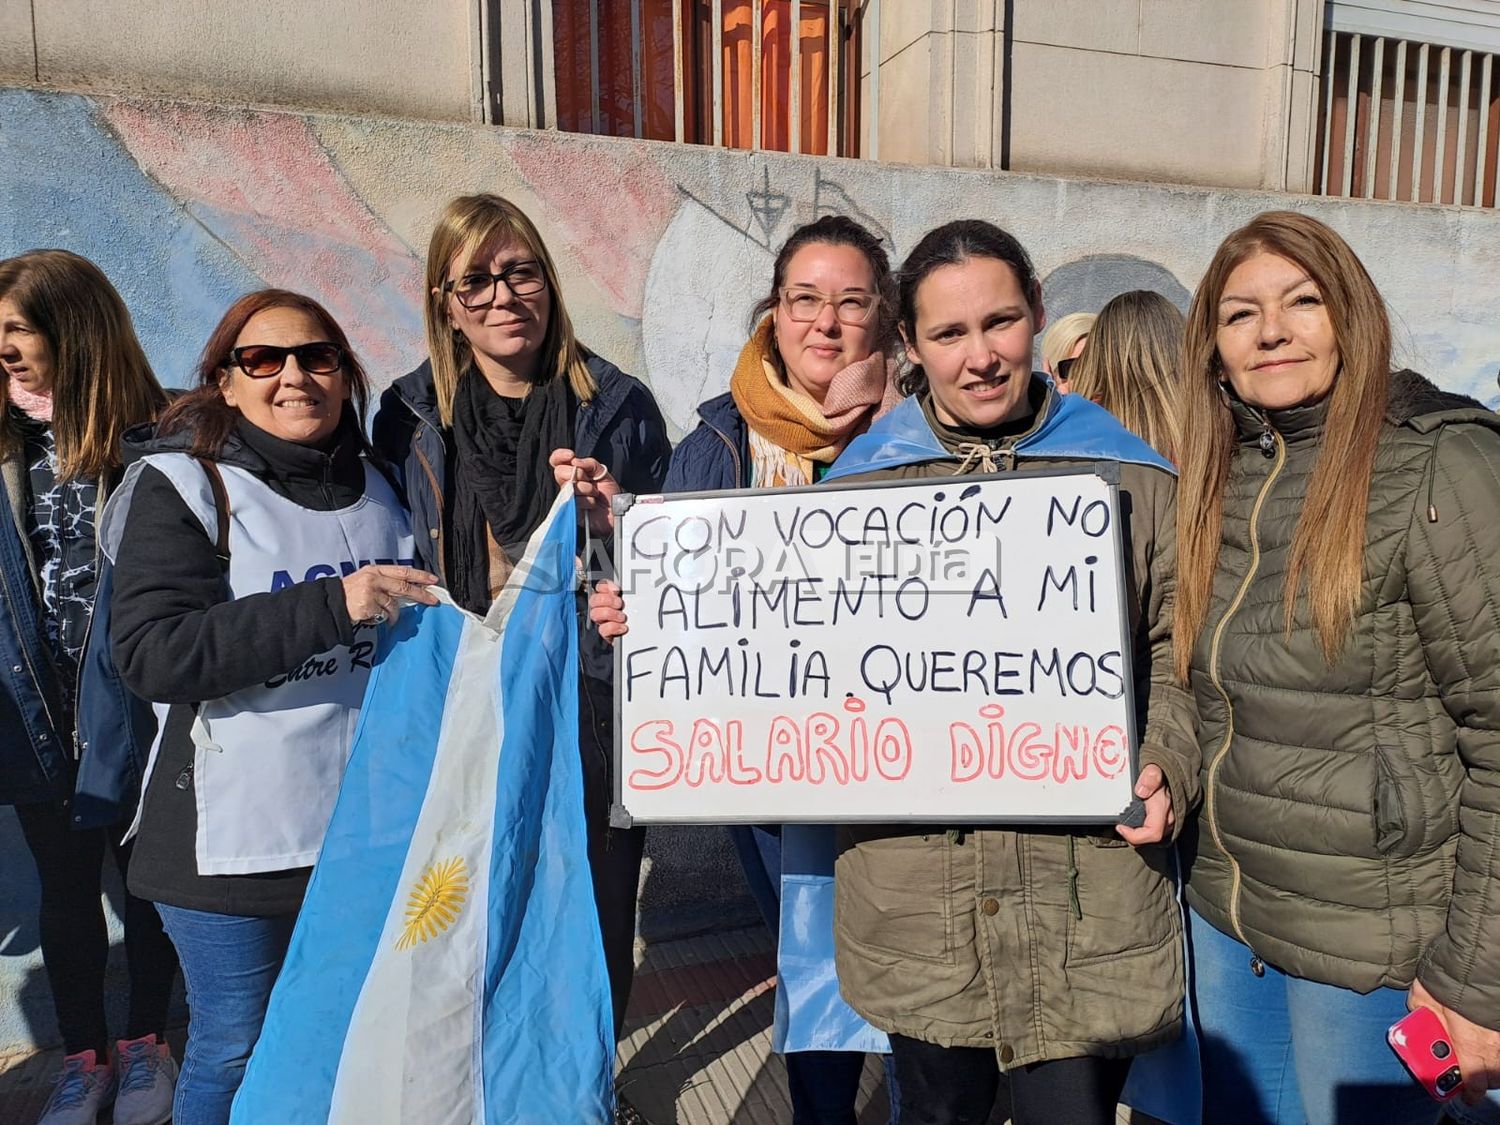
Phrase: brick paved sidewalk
(696, 1048)
(697, 1043)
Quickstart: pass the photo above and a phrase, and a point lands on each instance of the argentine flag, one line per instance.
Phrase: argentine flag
(447, 965)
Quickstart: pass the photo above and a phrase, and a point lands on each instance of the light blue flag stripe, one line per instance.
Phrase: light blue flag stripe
(548, 1050)
(291, 1076)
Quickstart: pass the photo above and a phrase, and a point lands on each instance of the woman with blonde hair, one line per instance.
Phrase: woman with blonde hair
(1063, 343)
(1338, 572)
(72, 742)
(1130, 365)
(509, 404)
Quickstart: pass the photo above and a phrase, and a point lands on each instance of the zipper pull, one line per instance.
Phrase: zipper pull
(1268, 442)
(185, 778)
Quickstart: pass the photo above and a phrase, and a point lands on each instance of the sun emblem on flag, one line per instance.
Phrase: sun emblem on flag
(436, 901)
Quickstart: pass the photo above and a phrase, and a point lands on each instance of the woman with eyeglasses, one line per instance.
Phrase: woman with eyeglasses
(508, 406)
(257, 547)
(74, 379)
(815, 373)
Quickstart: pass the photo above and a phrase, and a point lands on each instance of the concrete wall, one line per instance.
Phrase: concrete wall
(663, 250)
(374, 56)
(1193, 91)
(1218, 92)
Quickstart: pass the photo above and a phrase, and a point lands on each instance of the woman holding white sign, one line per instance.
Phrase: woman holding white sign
(1053, 955)
(1339, 571)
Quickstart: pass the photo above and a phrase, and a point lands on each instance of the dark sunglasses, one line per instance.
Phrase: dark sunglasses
(261, 361)
(1062, 369)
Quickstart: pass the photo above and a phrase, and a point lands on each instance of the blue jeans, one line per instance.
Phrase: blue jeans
(1280, 1050)
(229, 964)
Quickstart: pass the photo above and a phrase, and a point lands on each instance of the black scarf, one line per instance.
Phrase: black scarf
(503, 485)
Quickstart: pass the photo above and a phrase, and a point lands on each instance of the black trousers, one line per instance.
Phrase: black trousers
(615, 863)
(614, 853)
(75, 942)
(958, 1086)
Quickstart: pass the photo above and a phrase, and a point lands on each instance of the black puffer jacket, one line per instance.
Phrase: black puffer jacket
(178, 639)
(1350, 831)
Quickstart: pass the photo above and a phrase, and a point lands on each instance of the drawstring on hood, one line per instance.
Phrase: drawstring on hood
(975, 452)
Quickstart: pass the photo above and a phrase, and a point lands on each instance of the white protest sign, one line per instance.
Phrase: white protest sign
(937, 650)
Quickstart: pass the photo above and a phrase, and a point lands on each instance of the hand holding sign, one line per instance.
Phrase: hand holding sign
(1151, 787)
(607, 611)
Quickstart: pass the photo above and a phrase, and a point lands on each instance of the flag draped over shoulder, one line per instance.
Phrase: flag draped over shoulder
(447, 965)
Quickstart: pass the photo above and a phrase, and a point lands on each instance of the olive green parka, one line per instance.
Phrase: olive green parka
(1350, 831)
(1037, 943)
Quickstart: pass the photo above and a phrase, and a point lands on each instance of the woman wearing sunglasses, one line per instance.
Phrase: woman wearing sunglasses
(1062, 345)
(509, 405)
(257, 547)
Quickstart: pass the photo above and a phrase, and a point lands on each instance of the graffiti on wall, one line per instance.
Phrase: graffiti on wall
(663, 249)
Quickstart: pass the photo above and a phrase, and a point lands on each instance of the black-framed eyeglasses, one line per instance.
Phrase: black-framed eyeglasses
(475, 289)
(261, 361)
(1062, 370)
(804, 304)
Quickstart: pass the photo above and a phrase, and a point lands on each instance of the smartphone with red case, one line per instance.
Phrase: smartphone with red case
(1423, 1046)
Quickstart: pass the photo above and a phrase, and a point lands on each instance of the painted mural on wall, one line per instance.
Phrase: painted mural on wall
(663, 248)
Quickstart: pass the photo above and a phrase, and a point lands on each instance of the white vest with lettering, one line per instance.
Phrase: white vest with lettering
(268, 759)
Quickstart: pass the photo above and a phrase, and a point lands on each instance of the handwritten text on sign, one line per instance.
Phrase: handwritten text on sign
(935, 650)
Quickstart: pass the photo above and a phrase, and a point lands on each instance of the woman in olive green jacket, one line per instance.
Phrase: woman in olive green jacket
(1052, 954)
(1338, 620)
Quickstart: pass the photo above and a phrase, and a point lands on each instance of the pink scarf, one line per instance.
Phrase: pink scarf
(37, 406)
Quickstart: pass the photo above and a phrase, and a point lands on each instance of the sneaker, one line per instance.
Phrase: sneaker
(84, 1087)
(148, 1077)
(627, 1114)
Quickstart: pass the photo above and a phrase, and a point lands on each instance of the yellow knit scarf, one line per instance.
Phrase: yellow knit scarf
(785, 416)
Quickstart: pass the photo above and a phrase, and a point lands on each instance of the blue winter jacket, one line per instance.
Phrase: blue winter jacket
(716, 454)
(111, 729)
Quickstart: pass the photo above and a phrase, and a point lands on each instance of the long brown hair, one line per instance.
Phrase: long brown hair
(101, 382)
(467, 225)
(1130, 366)
(203, 411)
(1329, 541)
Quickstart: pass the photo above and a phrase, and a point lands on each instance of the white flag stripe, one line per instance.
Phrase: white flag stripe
(432, 988)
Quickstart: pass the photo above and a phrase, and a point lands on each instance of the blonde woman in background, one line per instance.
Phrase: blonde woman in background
(1063, 343)
(1130, 366)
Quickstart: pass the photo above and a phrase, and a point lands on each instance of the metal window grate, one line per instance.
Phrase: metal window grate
(722, 72)
(1407, 121)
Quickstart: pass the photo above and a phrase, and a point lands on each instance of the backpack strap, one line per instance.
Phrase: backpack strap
(221, 509)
